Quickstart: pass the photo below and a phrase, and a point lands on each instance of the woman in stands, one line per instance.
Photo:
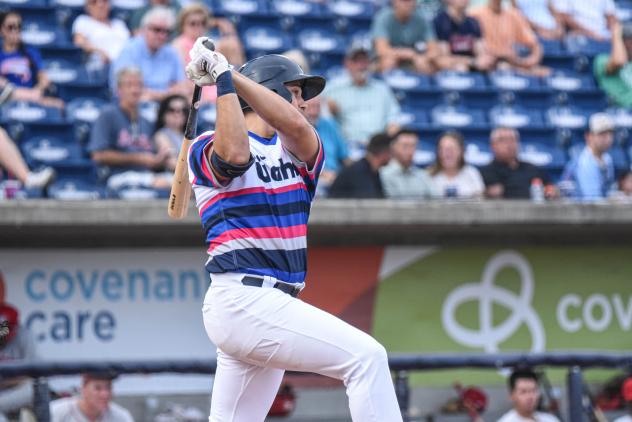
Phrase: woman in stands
(170, 123)
(452, 177)
(98, 35)
(21, 75)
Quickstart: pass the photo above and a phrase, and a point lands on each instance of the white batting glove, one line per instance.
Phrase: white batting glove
(197, 73)
(204, 55)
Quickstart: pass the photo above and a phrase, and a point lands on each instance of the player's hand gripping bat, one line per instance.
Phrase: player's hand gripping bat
(180, 186)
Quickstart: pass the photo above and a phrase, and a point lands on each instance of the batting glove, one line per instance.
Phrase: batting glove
(205, 58)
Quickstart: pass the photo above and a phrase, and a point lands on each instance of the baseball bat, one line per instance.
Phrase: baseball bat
(180, 186)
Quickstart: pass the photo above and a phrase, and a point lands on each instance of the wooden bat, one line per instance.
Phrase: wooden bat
(180, 186)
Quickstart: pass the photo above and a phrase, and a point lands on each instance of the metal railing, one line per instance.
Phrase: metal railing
(401, 365)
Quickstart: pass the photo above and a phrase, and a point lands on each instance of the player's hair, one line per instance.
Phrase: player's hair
(125, 71)
(378, 143)
(192, 9)
(159, 13)
(499, 128)
(437, 167)
(521, 373)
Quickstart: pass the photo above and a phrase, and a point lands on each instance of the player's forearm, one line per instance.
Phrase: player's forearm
(231, 136)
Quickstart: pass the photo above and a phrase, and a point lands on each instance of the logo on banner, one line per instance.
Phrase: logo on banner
(486, 293)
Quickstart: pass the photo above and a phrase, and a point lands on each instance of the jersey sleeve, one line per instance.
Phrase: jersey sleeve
(310, 176)
(200, 172)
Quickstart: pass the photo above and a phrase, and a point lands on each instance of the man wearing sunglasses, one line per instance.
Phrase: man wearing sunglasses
(162, 69)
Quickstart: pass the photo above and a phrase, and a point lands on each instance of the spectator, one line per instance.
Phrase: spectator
(625, 188)
(169, 130)
(334, 145)
(593, 19)
(544, 19)
(626, 395)
(361, 104)
(21, 66)
(452, 177)
(614, 72)
(17, 345)
(135, 22)
(93, 404)
(195, 21)
(98, 35)
(506, 176)
(403, 38)
(400, 177)
(120, 139)
(362, 178)
(503, 29)
(460, 42)
(162, 69)
(11, 160)
(591, 171)
(525, 394)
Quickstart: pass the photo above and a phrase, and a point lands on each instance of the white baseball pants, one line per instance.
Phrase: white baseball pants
(260, 332)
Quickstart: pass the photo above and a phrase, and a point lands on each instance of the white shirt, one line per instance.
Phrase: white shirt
(537, 11)
(589, 14)
(109, 38)
(468, 183)
(67, 410)
(513, 416)
(625, 418)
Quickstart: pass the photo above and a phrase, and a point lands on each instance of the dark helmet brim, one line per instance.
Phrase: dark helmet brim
(311, 85)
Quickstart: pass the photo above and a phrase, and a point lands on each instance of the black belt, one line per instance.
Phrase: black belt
(284, 287)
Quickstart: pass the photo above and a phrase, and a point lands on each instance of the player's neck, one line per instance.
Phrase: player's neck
(258, 126)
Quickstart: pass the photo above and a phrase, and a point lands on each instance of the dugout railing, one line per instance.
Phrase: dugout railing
(401, 365)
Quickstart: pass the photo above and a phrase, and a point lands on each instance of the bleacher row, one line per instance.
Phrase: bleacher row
(551, 113)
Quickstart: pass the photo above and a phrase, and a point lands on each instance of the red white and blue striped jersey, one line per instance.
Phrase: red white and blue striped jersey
(257, 223)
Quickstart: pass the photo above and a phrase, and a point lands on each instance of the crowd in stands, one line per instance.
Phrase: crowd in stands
(401, 116)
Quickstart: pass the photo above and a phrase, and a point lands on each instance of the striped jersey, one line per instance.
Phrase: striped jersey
(257, 223)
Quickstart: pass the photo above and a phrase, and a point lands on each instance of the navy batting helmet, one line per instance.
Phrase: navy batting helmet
(274, 71)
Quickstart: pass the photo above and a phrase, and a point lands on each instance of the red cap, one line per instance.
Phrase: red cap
(626, 389)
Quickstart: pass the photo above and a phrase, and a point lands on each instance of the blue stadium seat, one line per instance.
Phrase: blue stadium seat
(247, 13)
(27, 112)
(61, 52)
(581, 44)
(478, 153)
(447, 116)
(406, 81)
(42, 34)
(261, 40)
(297, 15)
(128, 4)
(61, 71)
(207, 116)
(21, 4)
(51, 151)
(569, 82)
(565, 62)
(457, 81)
(515, 117)
(149, 110)
(323, 48)
(351, 16)
(551, 47)
(513, 81)
(425, 154)
(563, 117)
(69, 189)
(621, 116)
(82, 112)
(413, 119)
(542, 155)
(70, 91)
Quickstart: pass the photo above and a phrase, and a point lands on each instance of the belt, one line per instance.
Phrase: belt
(284, 287)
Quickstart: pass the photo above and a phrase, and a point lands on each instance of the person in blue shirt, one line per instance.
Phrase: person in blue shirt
(160, 64)
(591, 172)
(22, 76)
(334, 144)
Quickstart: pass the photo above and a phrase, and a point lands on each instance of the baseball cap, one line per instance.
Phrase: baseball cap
(600, 122)
(626, 389)
(358, 46)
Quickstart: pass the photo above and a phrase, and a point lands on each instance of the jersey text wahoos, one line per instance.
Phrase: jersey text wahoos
(257, 223)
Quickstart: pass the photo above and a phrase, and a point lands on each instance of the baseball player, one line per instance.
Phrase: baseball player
(254, 179)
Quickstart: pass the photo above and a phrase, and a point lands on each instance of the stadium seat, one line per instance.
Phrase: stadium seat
(564, 117)
(542, 155)
(406, 81)
(85, 109)
(261, 40)
(247, 13)
(27, 112)
(320, 41)
(413, 119)
(41, 34)
(425, 154)
(569, 81)
(18, 4)
(149, 110)
(512, 81)
(79, 89)
(351, 16)
(515, 117)
(61, 52)
(207, 116)
(61, 71)
(45, 150)
(478, 153)
(447, 116)
(297, 15)
(75, 189)
(581, 44)
(458, 81)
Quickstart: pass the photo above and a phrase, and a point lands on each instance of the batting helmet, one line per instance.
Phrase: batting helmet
(274, 71)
